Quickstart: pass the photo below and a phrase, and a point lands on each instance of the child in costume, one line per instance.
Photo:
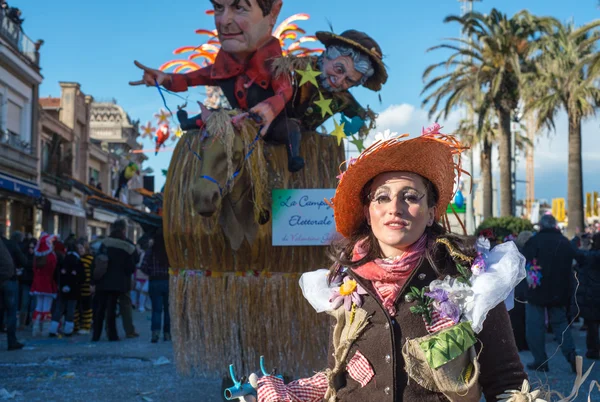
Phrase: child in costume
(418, 311)
(44, 285)
(70, 278)
(139, 294)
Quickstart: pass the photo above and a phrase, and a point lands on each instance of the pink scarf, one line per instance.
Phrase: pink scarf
(389, 276)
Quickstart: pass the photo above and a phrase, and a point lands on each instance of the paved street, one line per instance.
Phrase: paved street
(76, 369)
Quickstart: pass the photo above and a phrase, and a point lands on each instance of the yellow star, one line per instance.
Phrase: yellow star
(339, 132)
(324, 104)
(308, 75)
(178, 132)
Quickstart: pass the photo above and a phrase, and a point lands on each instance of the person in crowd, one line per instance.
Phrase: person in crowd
(115, 281)
(156, 266)
(83, 311)
(517, 314)
(550, 253)
(70, 278)
(588, 299)
(44, 285)
(10, 257)
(139, 294)
(27, 302)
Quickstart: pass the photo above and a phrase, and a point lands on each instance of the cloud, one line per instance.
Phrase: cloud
(550, 148)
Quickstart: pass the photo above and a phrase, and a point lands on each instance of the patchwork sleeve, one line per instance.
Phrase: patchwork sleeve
(283, 93)
(272, 389)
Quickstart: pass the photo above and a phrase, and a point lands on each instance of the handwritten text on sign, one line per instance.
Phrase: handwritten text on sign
(301, 217)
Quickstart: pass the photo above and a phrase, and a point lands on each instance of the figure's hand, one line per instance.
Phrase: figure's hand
(265, 111)
(151, 76)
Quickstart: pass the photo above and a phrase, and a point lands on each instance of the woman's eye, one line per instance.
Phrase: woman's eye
(412, 198)
(382, 198)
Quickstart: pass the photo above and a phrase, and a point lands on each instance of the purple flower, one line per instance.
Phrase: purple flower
(449, 310)
(479, 266)
(443, 305)
(349, 292)
(439, 295)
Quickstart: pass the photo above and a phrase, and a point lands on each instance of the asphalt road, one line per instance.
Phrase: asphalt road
(75, 369)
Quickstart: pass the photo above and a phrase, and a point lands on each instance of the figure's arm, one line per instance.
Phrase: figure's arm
(181, 82)
(501, 368)
(270, 108)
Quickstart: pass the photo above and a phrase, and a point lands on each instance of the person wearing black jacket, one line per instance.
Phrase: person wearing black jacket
(10, 291)
(588, 299)
(25, 280)
(70, 278)
(116, 280)
(554, 253)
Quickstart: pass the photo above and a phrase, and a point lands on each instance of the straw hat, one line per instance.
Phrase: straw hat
(431, 156)
(365, 44)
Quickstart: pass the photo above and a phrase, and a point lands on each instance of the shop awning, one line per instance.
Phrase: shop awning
(105, 216)
(20, 186)
(63, 207)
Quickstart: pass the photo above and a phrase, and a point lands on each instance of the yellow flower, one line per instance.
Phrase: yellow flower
(348, 287)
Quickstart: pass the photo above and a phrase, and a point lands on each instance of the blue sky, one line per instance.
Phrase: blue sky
(95, 42)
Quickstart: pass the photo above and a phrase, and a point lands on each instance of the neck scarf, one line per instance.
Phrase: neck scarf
(389, 275)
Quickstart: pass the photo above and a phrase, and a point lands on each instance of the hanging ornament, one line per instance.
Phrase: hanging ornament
(324, 104)
(359, 143)
(338, 132)
(162, 116)
(147, 130)
(309, 75)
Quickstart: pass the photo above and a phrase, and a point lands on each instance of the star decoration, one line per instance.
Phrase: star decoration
(162, 116)
(359, 143)
(309, 75)
(339, 132)
(177, 133)
(324, 104)
(147, 130)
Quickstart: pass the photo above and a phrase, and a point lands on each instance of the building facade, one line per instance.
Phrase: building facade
(19, 137)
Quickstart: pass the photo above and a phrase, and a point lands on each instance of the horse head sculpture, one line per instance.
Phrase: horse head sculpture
(233, 176)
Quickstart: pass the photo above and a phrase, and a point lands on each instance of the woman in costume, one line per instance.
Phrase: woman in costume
(408, 298)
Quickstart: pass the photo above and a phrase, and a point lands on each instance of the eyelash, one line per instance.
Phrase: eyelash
(408, 197)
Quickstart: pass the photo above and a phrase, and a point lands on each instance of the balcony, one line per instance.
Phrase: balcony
(15, 154)
(13, 33)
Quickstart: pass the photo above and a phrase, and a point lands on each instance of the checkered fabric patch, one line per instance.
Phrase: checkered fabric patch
(360, 369)
(438, 323)
(272, 389)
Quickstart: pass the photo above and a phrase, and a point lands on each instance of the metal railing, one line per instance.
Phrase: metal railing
(15, 141)
(13, 33)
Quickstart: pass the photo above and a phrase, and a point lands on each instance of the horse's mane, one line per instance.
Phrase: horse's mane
(220, 127)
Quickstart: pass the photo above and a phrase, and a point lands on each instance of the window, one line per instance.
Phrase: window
(14, 118)
(45, 156)
(93, 175)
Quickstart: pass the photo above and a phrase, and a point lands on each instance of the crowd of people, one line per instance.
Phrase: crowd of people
(562, 286)
(73, 287)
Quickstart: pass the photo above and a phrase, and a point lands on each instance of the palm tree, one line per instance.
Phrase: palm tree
(492, 62)
(564, 79)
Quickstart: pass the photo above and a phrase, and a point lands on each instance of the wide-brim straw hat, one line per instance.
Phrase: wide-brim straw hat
(432, 155)
(365, 44)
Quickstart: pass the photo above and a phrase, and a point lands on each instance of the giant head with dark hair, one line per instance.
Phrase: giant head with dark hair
(244, 26)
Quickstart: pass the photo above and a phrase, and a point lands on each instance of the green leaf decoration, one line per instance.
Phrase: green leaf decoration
(447, 345)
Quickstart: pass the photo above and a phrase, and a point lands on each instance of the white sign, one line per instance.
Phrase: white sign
(301, 217)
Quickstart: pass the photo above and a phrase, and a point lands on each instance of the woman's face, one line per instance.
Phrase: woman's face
(397, 211)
